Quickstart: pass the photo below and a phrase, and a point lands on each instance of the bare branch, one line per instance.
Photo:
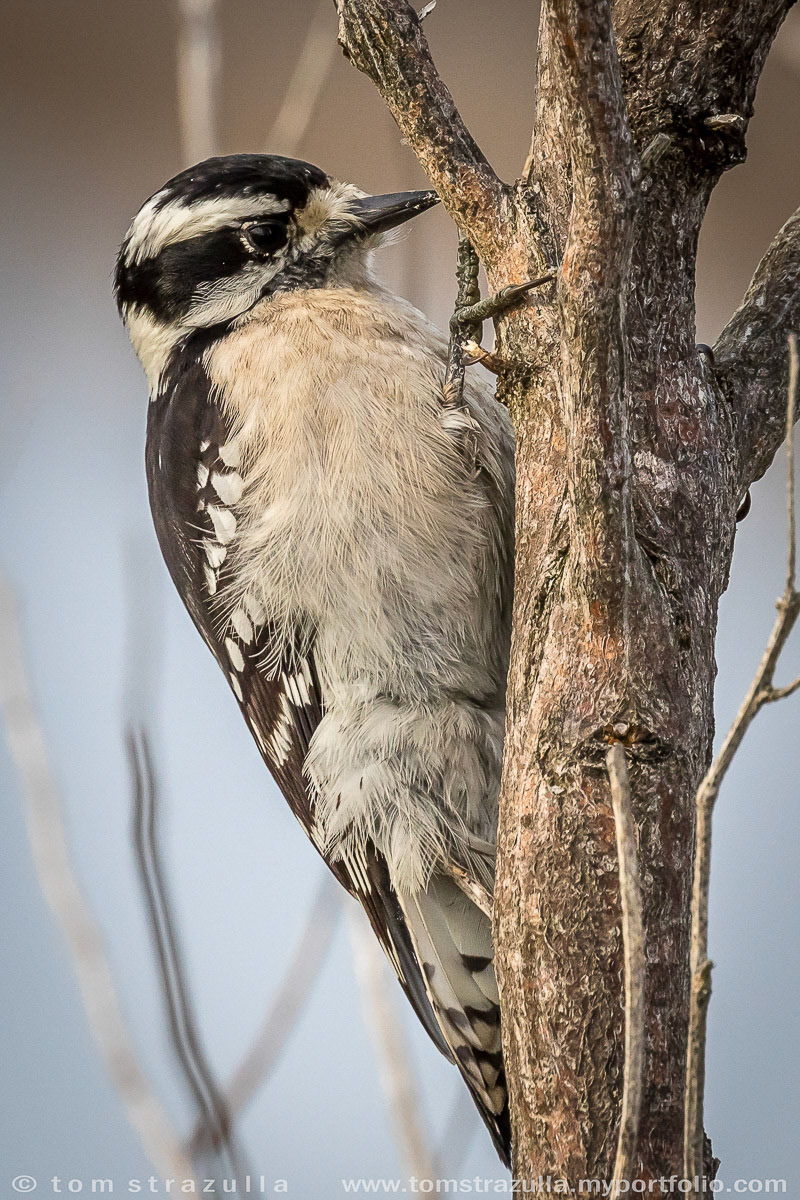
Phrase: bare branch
(384, 39)
(69, 906)
(211, 1105)
(474, 353)
(305, 86)
(750, 354)
(633, 942)
(395, 1062)
(761, 692)
(783, 692)
(579, 94)
(198, 67)
(287, 1007)
(472, 888)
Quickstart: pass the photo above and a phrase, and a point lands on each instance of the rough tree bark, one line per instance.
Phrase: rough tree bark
(634, 451)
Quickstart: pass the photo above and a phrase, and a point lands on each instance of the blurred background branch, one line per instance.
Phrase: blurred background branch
(287, 1008)
(198, 63)
(63, 893)
(379, 1003)
(213, 1114)
(306, 84)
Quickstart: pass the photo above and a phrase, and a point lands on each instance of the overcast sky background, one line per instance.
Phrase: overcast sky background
(89, 130)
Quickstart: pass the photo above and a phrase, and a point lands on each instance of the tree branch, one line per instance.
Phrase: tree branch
(397, 1078)
(590, 87)
(286, 1008)
(603, 162)
(69, 906)
(750, 354)
(593, 288)
(578, 74)
(211, 1105)
(633, 941)
(198, 67)
(305, 86)
(384, 40)
(761, 692)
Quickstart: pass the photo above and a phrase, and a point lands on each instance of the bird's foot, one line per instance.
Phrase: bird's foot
(500, 302)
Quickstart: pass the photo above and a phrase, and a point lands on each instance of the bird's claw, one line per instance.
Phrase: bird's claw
(500, 302)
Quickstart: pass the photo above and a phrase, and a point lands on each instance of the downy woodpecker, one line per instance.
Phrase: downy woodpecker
(342, 539)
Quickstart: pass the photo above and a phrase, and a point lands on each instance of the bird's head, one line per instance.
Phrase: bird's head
(221, 236)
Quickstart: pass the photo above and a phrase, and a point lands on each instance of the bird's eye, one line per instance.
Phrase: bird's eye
(266, 236)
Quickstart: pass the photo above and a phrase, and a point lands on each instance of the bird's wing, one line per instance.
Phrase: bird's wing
(191, 469)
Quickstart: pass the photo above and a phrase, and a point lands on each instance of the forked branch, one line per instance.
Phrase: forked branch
(762, 691)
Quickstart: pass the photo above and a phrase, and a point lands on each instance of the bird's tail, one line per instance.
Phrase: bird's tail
(453, 942)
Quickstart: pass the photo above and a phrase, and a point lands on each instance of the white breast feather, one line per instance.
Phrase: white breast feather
(360, 518)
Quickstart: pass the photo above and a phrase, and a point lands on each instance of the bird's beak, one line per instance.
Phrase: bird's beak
(376, 214)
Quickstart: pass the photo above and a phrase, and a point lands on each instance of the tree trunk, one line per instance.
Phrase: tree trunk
(634, 451)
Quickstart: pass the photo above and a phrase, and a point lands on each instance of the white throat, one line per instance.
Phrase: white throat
(154, 341)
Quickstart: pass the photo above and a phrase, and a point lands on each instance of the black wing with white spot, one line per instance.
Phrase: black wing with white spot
(194, 484)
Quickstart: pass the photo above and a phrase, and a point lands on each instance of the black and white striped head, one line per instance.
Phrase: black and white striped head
(225, 234)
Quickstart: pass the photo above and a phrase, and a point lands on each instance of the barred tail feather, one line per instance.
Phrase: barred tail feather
(453, 941)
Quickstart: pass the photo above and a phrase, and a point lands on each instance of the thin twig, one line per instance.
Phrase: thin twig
(306, 84)
(761, 692)
(633, 944)
(182, 1024)
(69, 906)
(475, 354)
(480, 896)
(198, 67)
(287, 1007)
(397, 1079)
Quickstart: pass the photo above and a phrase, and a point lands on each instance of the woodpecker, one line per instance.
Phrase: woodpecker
(342, 538)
